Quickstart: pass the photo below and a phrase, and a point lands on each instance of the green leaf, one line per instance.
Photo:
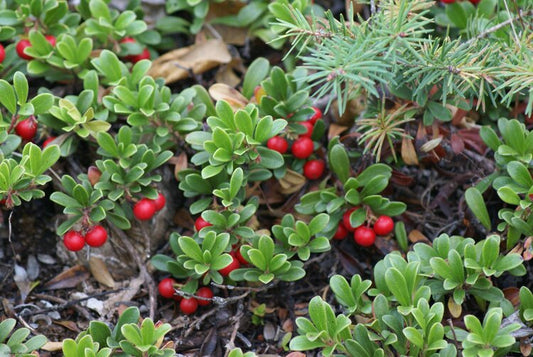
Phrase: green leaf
(191, 248)
(318, 223)
(414, 336)
(21, 87)
(42, 103)
(439, 111)
(475, 202)
(508, 195)
(7, 96)
(339, 162)
(257, 71)
(519, 173)
(456, 14)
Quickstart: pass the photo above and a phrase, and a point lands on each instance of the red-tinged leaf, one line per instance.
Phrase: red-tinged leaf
(68, 279)
(458, 115)
(512, 294)
(458, 145)
(180, 162)
(70, 325)
(401, 179)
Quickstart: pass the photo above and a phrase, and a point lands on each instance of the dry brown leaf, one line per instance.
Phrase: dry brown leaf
(52, 346)
(100, 272)
(132, 287)
(198, 58)
(287, 325)
(416, 236)
(71, 325)
(336, 130)
(227, 75)
(180, 162)
(431, 144)
(512, 294)
(458, 144)
(455, 309)
(68, 279)
(525, 347)
(291, 182)
(296, 354)
(408, 152)
(221, 91)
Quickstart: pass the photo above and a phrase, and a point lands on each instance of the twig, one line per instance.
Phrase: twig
(65, 304)
(198, 321)
(10, 232)
(143, 272)
(517, 40)
(499, 26)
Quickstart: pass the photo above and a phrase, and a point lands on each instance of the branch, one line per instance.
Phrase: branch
(495, 28)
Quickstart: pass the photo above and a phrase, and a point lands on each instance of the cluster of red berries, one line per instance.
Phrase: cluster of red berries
(145, 208)
(145, 54)
(363, 235)
(25, 43)
(96, 236)
(187, 305)
(302, 147)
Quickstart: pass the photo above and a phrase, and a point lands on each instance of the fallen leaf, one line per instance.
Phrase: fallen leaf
(408, 152)
(52, 346)
(68, 279)
(431, 144)
(288, 325)
(336, 130)
(221, 91)
(180, 163)
(70, 325)
(525, 347)
(416, 236)
(512, 294)
(296, 354)
(22, 281)
(227, 75)
(100, 272)
(455, 309)
(291, 182)
(198, 58)
(458, 144)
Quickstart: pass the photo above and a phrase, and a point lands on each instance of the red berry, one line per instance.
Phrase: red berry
(313, 169)
(316, 116)
(384, 225)
(144, 209)
(166, 288)
(277, 143)
(475, 2)
(96, 236)
(48, 141)
(73, 241)
(448, 1)
(145, 54)
(2, 53)
(188, 306)
(127, 40)
(201, 223)
(309, 127)
(346, 219)
(160, 202)
(51, 40)
(302, 147)
(341, 232)
(238, 255)
(204, 292)
(27, 128)
(231, 267)
(21, 46)
(364, 236)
